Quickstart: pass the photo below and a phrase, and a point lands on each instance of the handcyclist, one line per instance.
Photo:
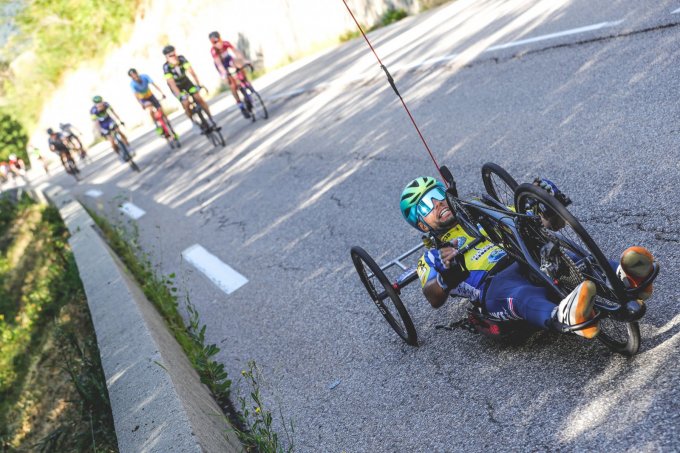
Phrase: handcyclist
(60, 145)
(105, 123)
(487, 275)
(141, 87)
(225, 55)
(177, 71)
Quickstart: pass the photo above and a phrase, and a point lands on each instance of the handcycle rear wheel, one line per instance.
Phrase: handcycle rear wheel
(499, 184)
(396, 315)
(584, 261)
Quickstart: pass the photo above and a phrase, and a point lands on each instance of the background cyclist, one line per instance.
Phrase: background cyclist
(141, 87)
(177, 70)
(105, 123)
(487, 275)
(70, 133)
(60, 145)
(224, 55)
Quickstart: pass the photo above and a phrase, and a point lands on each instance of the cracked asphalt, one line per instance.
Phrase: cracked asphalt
(286, 199)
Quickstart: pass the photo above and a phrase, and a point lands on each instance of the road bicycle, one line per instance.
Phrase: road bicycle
(123, 150)
(511, 216)
(166, 129)
(200, 117)
(69, 164)
(251, 98)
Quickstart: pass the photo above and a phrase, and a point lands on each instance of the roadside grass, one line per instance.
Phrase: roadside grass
(390, 16)
(254, 429)
(53, 394)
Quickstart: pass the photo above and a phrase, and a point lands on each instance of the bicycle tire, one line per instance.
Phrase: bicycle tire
(622, 337)
(125, 152)
(258, 107)
(406, 330)
(504, 193)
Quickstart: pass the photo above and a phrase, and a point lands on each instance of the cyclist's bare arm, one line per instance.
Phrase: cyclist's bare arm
(173, 87)
(116, 115)
(158, 89)
(220, 67)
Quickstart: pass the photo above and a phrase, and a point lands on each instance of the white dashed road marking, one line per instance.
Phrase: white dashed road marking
(572, 31)
(94, 193)
(132, 211)
(677, 11)
(220, 273)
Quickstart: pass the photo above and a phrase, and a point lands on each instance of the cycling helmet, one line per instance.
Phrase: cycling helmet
(168, 49)
(214, 35)
(50, 131)
(12, 157)
(412, 194)
(97, 99)
(132, 71)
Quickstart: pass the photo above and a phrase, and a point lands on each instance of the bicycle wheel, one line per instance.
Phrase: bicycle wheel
(499, 184)
(125, 153)
(396, 314)
(216, 138)
(258, 108)
(579, 259)
(72, 168)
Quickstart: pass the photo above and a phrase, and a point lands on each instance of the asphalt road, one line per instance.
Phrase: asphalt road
(285, 200)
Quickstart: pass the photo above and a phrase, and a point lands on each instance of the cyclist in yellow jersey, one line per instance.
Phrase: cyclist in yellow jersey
(485, 273)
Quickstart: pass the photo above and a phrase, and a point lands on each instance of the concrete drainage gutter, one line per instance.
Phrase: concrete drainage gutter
(157, 399)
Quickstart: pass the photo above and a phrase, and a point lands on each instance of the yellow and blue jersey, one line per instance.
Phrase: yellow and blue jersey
(479, 260)
(141, 88)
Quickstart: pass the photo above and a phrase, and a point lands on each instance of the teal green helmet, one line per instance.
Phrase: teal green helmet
(412, 194)
(97, 99)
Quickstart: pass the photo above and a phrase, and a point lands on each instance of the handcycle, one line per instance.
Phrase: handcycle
(511, 216)
(251, 98)
(214, 134)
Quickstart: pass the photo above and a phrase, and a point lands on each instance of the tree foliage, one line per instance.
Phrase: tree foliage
(13, 138)
(57, 36)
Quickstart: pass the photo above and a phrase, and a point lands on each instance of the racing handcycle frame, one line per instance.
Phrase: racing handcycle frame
(550, 258)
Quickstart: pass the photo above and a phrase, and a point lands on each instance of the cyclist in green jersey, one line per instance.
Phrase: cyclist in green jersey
(178, 71)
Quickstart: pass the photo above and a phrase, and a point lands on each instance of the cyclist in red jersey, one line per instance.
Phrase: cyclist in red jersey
(224, 55)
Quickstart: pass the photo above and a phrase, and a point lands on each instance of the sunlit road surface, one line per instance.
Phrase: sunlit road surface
(259, 232)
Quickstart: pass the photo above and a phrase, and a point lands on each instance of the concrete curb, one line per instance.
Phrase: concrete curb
(157, 399)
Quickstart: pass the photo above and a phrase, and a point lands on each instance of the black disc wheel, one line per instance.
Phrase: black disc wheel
(384, 296)
(499, 184)
(578, 259)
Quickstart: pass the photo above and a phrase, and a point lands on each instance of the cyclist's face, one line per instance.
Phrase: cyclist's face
(440, 216)
(172, 58)
(134, 76)
(217, 43)
(100, 105)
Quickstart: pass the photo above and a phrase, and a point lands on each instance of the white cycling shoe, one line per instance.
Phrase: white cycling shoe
(577, 308)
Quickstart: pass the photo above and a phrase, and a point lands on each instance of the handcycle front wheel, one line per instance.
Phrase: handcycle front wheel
(395, 313)
(583, 261)
(499, 184)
